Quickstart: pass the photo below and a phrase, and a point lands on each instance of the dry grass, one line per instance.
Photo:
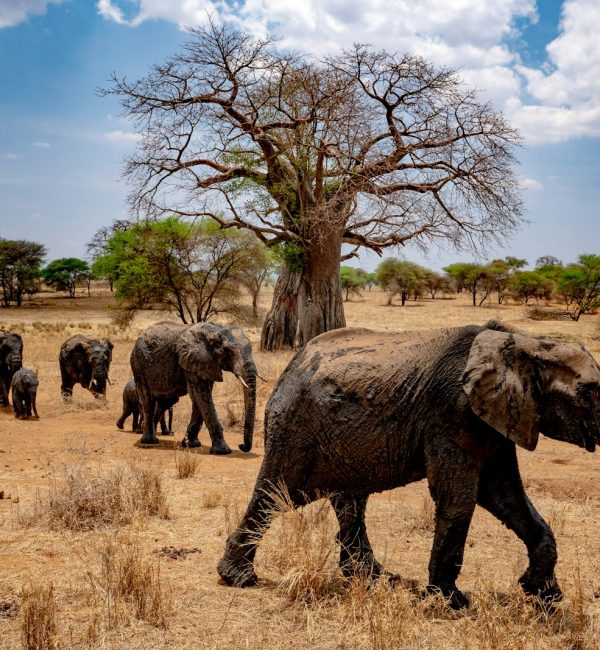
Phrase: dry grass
(83, 500)
(38, 617)
(186, 463)
(128, 583)
(302, 548)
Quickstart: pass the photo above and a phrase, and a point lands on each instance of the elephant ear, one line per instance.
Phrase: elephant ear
(109, 348)
(196, 354)
(500, 382)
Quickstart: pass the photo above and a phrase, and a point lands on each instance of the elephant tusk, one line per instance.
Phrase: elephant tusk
(261, 377)
(108, 380)
(244, 384)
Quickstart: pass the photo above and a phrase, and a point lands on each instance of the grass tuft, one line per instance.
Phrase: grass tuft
(186, 463)
(38, 617)
(86, 501)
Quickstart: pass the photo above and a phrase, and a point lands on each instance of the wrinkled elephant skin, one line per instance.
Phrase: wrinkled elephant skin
(357, 412)
(11, 360)
(170, 360)
(84, 361)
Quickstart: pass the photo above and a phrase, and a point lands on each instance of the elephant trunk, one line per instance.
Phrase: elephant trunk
(98, 383)
(247, 375)
(14, 361)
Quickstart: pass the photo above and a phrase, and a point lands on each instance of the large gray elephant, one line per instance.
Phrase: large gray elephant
(11, 360)
(357, 412)
(170, 360)
(84, 361)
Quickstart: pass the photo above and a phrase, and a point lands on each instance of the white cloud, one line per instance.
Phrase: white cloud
(13, 12)
(121, 136)
(41, 145)
(531, 184)
(568, 96)
(9, 155)
(557, 101)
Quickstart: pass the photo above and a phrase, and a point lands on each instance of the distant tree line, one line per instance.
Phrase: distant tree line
(577, 285)
(198, 269)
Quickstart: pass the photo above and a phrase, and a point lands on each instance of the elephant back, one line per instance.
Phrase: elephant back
(154, 360)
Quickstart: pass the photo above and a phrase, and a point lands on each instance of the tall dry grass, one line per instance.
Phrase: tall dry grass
(86, 500)
(38, 617)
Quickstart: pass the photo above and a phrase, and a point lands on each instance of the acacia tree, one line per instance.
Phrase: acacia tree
(192, 269)
(20, 268)
(66, 273)
(579, 285)
(400, 277)
(365, 148)
(98, 246)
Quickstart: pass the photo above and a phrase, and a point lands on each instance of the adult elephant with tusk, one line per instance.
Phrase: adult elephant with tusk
(170, 360)
(85, 361)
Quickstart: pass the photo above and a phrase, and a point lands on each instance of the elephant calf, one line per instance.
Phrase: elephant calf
(24, 391)
(357, 412)
(131, 406)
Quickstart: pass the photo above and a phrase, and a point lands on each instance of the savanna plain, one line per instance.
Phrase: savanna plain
(104, 544)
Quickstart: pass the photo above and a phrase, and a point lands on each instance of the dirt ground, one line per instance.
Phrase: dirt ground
(182, 551)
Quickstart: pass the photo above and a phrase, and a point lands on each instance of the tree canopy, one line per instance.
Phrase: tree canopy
(20, 268)
(195, 269)
(66, 273)
(366, 148)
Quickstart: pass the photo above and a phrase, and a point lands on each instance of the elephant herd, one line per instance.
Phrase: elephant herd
(357, 412)
(168, 361)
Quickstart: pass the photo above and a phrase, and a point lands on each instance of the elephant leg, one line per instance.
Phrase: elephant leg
(201, 394)
(236, 566)
(147, 409)
(356, 554)
(127, 411)
(18, 405)
(136, 420)
(4, 391)
(27, 405)
(453, 480)
(501, 492)
(66, 385)
(193, 429)
(170, 424)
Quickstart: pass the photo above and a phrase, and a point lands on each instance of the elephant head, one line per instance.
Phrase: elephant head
(99, 355)
(11, 351)
(522, 385)
(205, 350)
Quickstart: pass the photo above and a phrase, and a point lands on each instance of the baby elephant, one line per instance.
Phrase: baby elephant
(24, 390)
(131, 406)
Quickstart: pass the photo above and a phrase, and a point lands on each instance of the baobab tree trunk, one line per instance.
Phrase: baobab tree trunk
(306, 303)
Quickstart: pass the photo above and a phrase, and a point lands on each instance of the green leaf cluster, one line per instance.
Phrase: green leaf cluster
(20, 269)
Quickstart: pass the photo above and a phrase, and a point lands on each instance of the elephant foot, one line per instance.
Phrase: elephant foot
(220, 448)
(193, 443)
(119, 424)
(149, 440)
(166, 433)
(455, 599)
(366, 568)
(236, 575)
(548, 592)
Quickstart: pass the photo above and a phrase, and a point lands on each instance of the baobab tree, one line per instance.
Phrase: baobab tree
(364, 148)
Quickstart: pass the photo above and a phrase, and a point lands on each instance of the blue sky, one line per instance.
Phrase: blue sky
(62, 146)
